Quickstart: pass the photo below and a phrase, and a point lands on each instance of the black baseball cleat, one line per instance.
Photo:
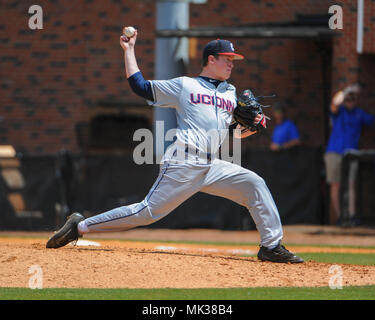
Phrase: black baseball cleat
(279, 254)
(67, 233)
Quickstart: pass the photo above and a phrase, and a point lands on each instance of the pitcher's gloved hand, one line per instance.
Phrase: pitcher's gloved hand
(249, 113)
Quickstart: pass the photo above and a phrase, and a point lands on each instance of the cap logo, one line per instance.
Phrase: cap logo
(231, 46)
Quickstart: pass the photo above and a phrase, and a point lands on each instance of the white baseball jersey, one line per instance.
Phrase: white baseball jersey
(204, 111)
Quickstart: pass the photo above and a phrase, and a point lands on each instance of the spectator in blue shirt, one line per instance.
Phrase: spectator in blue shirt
(347, 121)
(285, 134)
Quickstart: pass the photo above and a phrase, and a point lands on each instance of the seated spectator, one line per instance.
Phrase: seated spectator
(285, 135)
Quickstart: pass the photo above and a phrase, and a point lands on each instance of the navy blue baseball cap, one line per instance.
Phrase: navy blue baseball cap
(221, 47)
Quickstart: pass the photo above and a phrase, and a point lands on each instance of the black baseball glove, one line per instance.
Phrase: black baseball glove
(246, 111)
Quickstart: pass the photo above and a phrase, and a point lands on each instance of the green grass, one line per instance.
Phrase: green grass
(365, 259)
(322, 293)
(341, 258)
(229, 243)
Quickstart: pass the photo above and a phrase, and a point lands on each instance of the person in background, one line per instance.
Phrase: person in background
(347, 120)
(285, 135)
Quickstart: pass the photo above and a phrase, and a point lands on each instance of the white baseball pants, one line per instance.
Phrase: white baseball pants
(178, 181)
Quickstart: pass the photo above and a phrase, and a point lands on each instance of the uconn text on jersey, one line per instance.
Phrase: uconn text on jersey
(210, 100)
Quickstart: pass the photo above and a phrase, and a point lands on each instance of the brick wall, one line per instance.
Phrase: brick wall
(369, 27)
(229, 13)
(367, 71)
(54, 78)
(349, 67)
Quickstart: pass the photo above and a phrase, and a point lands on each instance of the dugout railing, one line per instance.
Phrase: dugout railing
(357, 188)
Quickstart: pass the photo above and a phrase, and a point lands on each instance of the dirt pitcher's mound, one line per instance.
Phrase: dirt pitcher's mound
(120, 264)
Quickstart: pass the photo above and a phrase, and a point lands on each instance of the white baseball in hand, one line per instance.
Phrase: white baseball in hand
(338, 98)
(129, 31)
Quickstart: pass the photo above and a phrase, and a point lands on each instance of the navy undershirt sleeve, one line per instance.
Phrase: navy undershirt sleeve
(140, 86)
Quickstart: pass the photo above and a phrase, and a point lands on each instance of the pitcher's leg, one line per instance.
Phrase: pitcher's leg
(173, 186)
(248, 189)
(118, 219)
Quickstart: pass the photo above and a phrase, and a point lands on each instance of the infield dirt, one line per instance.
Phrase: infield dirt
(108, 263)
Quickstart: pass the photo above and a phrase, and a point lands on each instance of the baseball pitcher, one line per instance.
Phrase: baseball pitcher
(204, 104)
